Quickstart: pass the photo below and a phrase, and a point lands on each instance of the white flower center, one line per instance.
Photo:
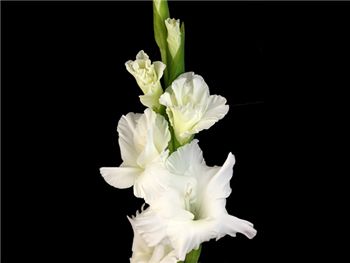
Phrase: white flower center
(191, 204)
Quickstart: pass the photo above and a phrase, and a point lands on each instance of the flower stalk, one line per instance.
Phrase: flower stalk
(170, 38)
(193, 256)
(160, 14)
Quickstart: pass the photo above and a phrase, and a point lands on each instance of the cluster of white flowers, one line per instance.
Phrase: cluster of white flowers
(186, 198)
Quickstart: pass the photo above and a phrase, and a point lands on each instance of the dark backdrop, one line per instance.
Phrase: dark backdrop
(64, 88)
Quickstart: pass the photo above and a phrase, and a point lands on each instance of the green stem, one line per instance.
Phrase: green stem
(161, 110)
(193, 256)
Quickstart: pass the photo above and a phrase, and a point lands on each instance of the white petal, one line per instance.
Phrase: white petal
(180, 89)
(187, 159)
(216, 111)
(149, 152)
(142, 55)
(170, 258)
(213, 195)
(161, 133)
(151, 227)
(126, 130)
(138, 245)
(219, 185)
(170, 205)
(148, 100)
(165, 99)
(174, 35)
(190, 88)
(217, 107)
(159, 67)
(129, 67)
(176, 90)
(151, 137)
(151, 95)
(120, 177)
(232, 225)
(186, 236)
(152, 182)
(183, 120)
(160, 251)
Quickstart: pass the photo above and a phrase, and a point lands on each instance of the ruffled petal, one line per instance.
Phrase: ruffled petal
(142, 55)
(186, 236)
(149, 152)
(147, 76)
(161, 251)
(151, 137)
(217, 109)
(190, 107)
(139, 245)
(152, 182)
(161, 133)
(126, 130)
(151, 227)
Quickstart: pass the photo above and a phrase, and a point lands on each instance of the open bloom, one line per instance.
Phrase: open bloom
(193, 211)
(148, 77)
(190, 107)
(143, 140)
(142, 253)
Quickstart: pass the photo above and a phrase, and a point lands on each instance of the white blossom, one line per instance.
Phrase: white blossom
(193, 210)
(142, 253)
(190, 107)
(143, 141)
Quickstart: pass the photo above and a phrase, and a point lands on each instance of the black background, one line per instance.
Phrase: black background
(64, 88)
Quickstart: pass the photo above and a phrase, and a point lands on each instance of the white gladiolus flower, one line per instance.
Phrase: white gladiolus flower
(174, 35)
(143, 140)
(190, 107)
(142, 253)
(192, 211)
(148, 77)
